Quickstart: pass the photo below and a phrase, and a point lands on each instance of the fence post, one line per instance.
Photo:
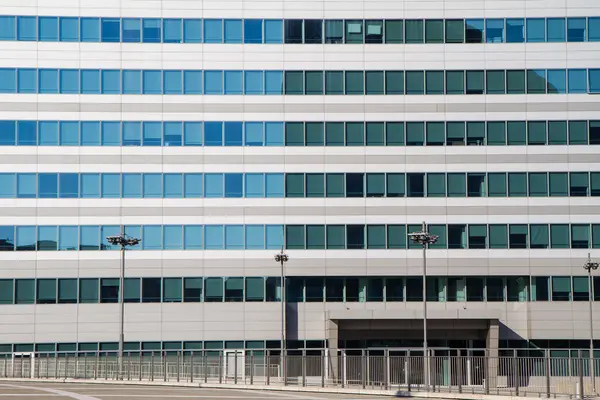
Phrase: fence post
(267, 366)
(129, 366)
(486, 372)
(323, 366)
(205, 362)
(386, 369)
(363, 369)
(303, 368)
(47, 366)
(284, 361)
(106, 366)
(515, 373)
(235, 368)
(164, 362)
(221, 366)
(178, 365)
(252, 367)
(141, 365)
(581, 388)
(152, 367)
(547, 364)
(408, 375)
(192, 367)
(459, 373)
(66, 365)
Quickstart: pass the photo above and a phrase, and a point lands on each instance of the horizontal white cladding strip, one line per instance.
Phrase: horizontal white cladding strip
(319, 166)
(294, 57)
(254, 256)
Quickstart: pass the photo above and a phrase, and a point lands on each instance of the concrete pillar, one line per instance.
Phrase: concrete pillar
(492, 340)
(332, 335)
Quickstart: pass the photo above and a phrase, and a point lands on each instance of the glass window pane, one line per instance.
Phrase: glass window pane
(375, 185)
(24, 291)
(334, 134)
(394, 82)
(556, 29)
(578, 132)
(395, 185)
(455, 82)
(475, 81)
(517, 184)
(334, 31)
(293, 31)
(315, 237)
(415, 133)
(294, 134)
(576, 29)
(455, 31)
(538, 184)
(474, 29)
(577, 80)
(436, 134)
(355, 82)
(374, 31)
(315, 185)
(172, 30)
(233, 30)
(559, 184)
(515, 30)
(314, 82)
(255, 237)
(213, 31)
(254, 185)
(434, 31)
(234, 237)
(213, 237)
(394, 133)
(556, 81)
(415, 82)
(374, 82)
(457, 185)
(255, 289)
(394, 31)
(253, 31)
(88, 290)
(414, 31)
(515, 82)
(335, 185)
(494, 31)
(213, 82)
(355, 134)
(498, 235)
(294, 237)
(315, 135)
(539, 236)
(273, 31)
(434, 82)
(436, 185)
(516, 133)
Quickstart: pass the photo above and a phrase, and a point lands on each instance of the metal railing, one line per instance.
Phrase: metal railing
(515, 376)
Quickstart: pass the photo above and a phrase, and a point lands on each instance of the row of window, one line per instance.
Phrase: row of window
(300, 237)
(298, 185)
(271, 82)
(237, 133)
(296, 31)
(299, 289)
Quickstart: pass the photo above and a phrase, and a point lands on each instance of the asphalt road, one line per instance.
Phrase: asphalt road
(69, 391)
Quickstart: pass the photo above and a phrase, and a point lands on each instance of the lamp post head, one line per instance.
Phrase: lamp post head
(122, 240)
(423, 237)
(590, 265)
(281, 257)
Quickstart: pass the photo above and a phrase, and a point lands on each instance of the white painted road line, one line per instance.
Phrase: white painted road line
(72, 395)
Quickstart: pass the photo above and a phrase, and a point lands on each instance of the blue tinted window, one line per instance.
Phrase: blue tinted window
(26, 238)
(48, 133)
(253, 133)
(515, 30)
(152, 184)
(193, 237)
(68, 237)
(273, 82)
(233, 82)
(69, 186)
(253, 82)
(273, 31)
(27, 28)
(111, 81)
(555, 29)
(173, 82)
(132, 29)
(152, 82)
(8, 28)
(90, 133)
(192, 30)
(234, 185)
(26, 186)
(90, 29)
(27, 133)
(47, 238)
(213, 82)
(132, 82)
(111, 30)
(255, 237)
(213, 31)
(274, 234)
(69, 133)
(234, 237)
(233, 133)
(213, 133)
(8, 133)
(152, 237)
(69, 29)
(575, 29)
(172, 31)
(47, 186)
(594, 80)
(192, 133)
(151, 30)
(90, 81)
(192, 82)
(274, 185)
(213, 185)
(8, 80)
(494, 31)
(577, 81)
(253, 31)
(274, 133)
(26, 80)
(8, 186)
(173, 237)
(233, 31)
(536, 30)
(173, 133)
(131, 186)
(111, 133)
(213, 237)
(173, 186)
(89, 238)
(132, 134)
(111, 186)
(48, 29)
(255, 185)
(594, 29)
(90, 186)
(192, 185)
(69, 81)
(136, 232)
(48, 79)
(152, 132)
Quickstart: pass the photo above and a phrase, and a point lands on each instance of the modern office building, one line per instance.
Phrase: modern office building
(219, 131)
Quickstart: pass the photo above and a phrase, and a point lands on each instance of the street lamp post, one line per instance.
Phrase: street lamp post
(123, 241)
(282, 258)
(590, 266)
(424, 238)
